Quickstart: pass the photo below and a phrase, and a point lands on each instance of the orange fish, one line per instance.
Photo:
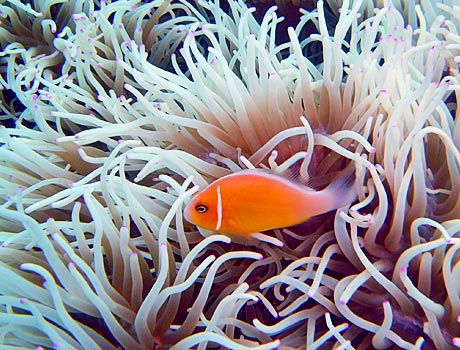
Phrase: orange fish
(255, 200)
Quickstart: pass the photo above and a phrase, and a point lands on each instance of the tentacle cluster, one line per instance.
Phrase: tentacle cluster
(123, 109)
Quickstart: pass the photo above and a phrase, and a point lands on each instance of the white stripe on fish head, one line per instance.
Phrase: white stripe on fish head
(219, 209)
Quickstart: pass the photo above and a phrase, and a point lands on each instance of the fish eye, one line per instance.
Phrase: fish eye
(200, 208)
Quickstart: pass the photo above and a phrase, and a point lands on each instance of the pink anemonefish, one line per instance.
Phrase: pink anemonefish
(255, 200)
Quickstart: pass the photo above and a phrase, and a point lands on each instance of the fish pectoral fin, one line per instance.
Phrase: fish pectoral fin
(266, 238)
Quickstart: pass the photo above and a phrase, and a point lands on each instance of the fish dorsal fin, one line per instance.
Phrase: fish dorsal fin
(295, 175)
(299, 176)
(286, 176)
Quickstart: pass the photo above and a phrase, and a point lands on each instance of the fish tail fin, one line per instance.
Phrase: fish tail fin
(343, 188)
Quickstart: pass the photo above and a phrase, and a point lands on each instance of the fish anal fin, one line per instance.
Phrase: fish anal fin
(254, 239)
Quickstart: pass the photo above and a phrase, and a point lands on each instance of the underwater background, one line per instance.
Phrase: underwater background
(114, 113)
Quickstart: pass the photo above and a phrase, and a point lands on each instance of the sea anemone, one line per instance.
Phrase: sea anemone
(123, 109)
